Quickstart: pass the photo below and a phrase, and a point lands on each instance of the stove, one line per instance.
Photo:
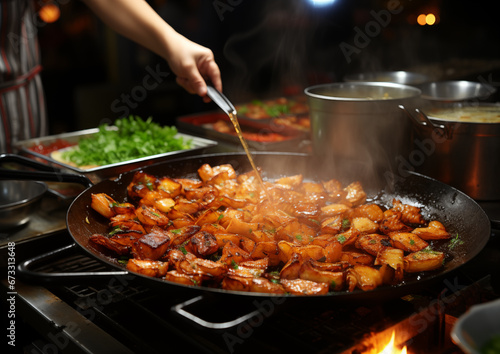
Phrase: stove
(118, 315)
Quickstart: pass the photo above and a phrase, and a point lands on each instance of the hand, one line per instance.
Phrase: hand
(193, 64)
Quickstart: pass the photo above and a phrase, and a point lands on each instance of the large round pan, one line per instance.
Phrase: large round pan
(459, 213)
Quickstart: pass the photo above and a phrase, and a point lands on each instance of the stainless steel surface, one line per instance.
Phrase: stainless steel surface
(48, 218)
(18, 201)
(454, 91)
(464, 155)
(397, 77)
(361, 122)
(97, 174)
(71, 330)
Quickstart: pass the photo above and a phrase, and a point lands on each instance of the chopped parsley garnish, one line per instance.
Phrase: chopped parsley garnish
(234, 264)
(134, 138)
(455, 241)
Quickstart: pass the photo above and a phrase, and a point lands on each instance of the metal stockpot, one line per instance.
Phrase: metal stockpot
(463, 154)
(360, 122)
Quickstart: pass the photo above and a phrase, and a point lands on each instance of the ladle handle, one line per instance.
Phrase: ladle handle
(221, 100)
(421, 120)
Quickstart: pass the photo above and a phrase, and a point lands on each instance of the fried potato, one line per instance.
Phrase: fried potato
(423, 261)
(434, 231)
(292, 236)
(304, 287)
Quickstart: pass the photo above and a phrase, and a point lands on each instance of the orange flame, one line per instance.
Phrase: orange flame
(391, 349)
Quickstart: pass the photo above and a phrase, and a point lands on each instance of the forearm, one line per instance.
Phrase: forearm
(136, 20)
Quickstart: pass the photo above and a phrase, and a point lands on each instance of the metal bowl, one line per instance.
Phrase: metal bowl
(477, 326)
(455, 91)
(397, 77)
(18, 201)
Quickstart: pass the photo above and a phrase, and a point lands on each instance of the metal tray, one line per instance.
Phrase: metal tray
(96, 174)
(201, 124)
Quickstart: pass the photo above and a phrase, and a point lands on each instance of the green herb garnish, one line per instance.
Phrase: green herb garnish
(134, 138)
(455, 241)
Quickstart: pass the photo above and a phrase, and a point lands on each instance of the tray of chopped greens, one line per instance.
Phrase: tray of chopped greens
(110, 150)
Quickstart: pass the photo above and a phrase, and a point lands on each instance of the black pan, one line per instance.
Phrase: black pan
(459, 213)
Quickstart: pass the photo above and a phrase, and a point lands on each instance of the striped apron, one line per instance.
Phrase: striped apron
(22, 102)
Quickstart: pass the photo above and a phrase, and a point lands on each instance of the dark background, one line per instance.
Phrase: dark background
(264, 49)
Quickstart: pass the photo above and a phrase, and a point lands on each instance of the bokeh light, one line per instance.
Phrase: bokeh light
(49, 13)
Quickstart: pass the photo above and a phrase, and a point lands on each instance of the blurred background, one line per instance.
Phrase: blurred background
(264, 49)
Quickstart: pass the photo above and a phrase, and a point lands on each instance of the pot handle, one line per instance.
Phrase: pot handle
(421, 120)
(25, 271)
(43, 172)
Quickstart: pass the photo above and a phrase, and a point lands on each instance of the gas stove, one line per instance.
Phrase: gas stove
(120, 316)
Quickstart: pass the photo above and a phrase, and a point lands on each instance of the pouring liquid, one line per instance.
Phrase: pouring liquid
(234, 119)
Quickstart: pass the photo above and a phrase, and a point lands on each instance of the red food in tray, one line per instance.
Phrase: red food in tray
(217, 125)
(268, 109)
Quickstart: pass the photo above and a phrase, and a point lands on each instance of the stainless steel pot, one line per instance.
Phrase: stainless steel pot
(360, 122)
(398, 77)
(18, 201)
(463, 154)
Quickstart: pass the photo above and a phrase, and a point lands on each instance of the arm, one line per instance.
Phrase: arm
(136, 20)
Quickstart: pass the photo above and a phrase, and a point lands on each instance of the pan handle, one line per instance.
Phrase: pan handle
(421, 121)
(25, 271)
(181, 309)
(43, 172)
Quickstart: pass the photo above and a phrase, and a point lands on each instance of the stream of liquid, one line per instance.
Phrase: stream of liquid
(236, 124)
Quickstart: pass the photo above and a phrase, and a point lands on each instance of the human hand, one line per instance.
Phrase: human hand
(193, 64)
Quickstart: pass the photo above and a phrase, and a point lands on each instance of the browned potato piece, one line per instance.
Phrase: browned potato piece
(354, 258)
(152, 245)
(371, 211)
(240, 227)
(103, 204)
(289, 182)
(334, 225)
(296, 232)
(373, 243)
(202, 244)
(364, 225)
(209, 216)
(407, 241)
(268, 250)
(363, 277)
(355, 194)
(304, 287)
(261, 285)
(169, 187)
(233, 254)
(334, 279)
(202, 267)
(392, 222)
(149, 268)
(291, 269)
(434, 231)
(409, 214)
(334, 209)
(393, 257)
(182, 234)
(332, 251)
(110, 244)
(151, 216)
(287, 249)
(181, 278)
(423, 261)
